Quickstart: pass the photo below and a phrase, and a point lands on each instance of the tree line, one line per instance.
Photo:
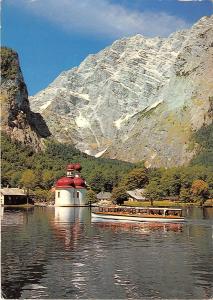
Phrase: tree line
(22, 167)
(39, 171)
(186, 184)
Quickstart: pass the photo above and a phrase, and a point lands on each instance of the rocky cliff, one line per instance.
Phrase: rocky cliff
(18, 121)
(139, 99)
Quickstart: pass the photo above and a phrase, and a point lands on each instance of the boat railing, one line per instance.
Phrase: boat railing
(139, 210)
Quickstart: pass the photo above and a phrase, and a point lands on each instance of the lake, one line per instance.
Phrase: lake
(59, 253)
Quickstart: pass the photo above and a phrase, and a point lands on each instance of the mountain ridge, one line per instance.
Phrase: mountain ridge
(138, 99)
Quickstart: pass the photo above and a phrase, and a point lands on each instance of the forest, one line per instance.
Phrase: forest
(22, 167)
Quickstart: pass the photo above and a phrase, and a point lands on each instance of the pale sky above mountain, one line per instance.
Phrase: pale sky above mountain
(51, 35)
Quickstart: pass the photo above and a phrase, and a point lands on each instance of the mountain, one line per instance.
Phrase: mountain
(138, 99)
(18, 121)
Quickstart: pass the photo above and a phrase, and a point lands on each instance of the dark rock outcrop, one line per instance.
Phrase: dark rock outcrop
(18, 121)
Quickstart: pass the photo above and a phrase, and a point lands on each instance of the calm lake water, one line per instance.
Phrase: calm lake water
(59, 253)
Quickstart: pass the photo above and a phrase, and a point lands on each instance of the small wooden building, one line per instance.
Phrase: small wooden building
(136, 195)
(13, 196)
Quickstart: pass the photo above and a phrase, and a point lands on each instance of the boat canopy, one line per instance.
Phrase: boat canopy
(140, 207)
(165, 211)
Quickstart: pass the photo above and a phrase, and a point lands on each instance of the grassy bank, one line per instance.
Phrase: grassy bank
(166, 203)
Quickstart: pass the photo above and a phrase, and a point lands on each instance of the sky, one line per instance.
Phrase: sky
(52, 36)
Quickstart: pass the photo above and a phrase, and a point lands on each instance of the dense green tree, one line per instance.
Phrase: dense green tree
(29, 179)
(15, 179)
(91, 196)
(119, 195)
(136, 178)
(187, 177)
(97, 182)
(100, 174)
(43, 195)
(185, 194)
(48, 178)
(155, 174)
(170, 182)
(204, 137)
(199, 190)
(153, 191)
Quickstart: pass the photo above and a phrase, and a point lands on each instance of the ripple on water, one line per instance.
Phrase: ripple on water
(44, 259)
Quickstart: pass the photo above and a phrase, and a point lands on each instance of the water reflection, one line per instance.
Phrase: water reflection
(68, 224)
(15, 216)
(207, 213)
(71, 214)
(139, 228)
(22, 265)
(198, 213)
(58, 253)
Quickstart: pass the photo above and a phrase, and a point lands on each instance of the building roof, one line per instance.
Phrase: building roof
(12, 192)
(70, 182)
(104, 195)
(137, 194)
(72, 167)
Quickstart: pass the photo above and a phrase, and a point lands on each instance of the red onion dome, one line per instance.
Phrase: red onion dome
(65, 181)
(70, 167)
(78, 167)
(79, 182)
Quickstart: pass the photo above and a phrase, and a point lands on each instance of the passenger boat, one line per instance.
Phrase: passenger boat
(139, 214)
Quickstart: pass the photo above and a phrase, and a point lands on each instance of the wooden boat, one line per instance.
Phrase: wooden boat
(139, 214)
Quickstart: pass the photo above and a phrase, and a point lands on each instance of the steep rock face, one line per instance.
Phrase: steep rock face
(18, 121)
(139, 99)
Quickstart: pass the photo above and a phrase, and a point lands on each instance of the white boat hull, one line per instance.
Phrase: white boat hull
(137, 218)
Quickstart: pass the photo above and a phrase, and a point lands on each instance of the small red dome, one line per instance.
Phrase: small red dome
(77, 167)
(70, 167)
(65, 181)
(79, 182)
